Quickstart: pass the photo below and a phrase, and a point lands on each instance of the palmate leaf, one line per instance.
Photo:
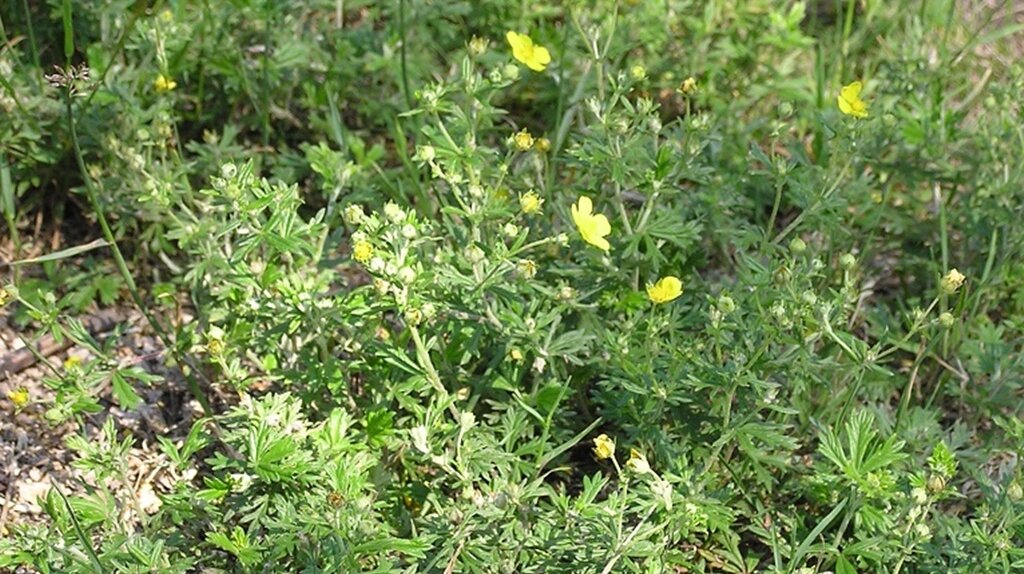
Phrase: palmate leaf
(863, 452)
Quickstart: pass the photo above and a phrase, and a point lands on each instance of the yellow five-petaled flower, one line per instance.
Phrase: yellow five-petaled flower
(850, 102)
(665, 290)
(594, 227)
(523, 49)
(164, 84)
(604, 447)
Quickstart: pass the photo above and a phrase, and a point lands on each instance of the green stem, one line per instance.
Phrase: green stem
(401, 51)
(423, 358)
(122, 266)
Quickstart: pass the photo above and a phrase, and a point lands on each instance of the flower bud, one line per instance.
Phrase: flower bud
(946, 319)
(951, 282)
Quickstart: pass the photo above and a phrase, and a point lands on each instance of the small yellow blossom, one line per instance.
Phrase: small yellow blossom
(164, 84)
(19, 397)
(523, 49)
(688, 86)
(593, 227)
(604, 447)
(515, 355)
(638, 462)
(542, 145)
(665, 290)
(638, 72)
(850, 102)
(215, 341)
(72, 362)
(523, 140)
(530, 203)
(951, 282)
(362, 251)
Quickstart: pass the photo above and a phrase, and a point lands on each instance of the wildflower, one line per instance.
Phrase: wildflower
(527, 268)
(425, 153)
(478, 45)
(164, 84)
(604, 447)
(936, 483)
(951, 282)
(215, 341)
(946, 319)
(362, 251)
(7, 293)
(393, 212)
(406, 275)
(593, 227)
(19, 397)
(510, 230)
(530, 203)
(523, 49)
(688, 86)
(523, 140)
(409, 231)
(377, 265)
(72, 362)
(638, 72)
(516, 355)
(1014, 491)
(413, 316)
(474, 254)
(354, 214)
(726, 305)
(638, 462)
(850, 102)
(539, 364)
(542, 145)
(381, 286)
(665, 290)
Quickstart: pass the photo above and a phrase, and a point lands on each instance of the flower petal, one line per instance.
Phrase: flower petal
(601, 225)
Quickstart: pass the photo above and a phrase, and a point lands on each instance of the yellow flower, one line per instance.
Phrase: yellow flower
(951, 282)
(523, 49)
(19, 397)
(362, 251)
(164, 84)
(665, 290)
(530, 203)
(542, 145)
(638, 462)
(850, 102)
(593, 227)
(215, 341)
(604, 447)
(523, 139)
(72, 362)
(688, 86)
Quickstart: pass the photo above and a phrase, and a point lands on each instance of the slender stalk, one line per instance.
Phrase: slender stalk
(401, 52)
(122, 266)
(423, 358)
(31, 34)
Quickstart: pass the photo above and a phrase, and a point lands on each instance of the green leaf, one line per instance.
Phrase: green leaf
(124, 393)
(843, 566)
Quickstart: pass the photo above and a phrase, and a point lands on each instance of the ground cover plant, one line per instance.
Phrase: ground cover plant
(490, 286)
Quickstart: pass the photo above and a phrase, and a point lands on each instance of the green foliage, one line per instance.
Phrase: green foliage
(370, 211)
